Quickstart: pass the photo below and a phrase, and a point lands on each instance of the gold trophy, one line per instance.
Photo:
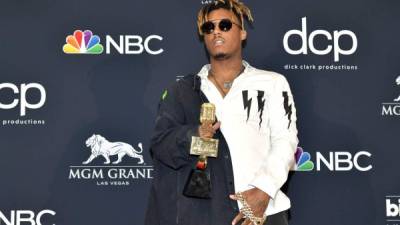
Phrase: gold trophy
(199, 185)
(205, 147)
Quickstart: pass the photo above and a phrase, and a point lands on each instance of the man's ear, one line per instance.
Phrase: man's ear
(243, 35)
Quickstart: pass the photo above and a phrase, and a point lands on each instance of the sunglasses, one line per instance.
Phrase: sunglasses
(224, 25)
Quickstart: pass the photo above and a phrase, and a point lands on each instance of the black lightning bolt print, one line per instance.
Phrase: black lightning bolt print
(261, 102)
(246, 102)
(288, 108)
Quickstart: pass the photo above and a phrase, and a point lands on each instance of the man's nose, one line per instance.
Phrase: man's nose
(216, 29)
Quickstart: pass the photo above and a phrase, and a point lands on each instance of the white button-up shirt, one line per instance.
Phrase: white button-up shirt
(258, 121)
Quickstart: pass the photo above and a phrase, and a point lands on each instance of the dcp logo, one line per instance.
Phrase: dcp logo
(21, 98)
(308, 42)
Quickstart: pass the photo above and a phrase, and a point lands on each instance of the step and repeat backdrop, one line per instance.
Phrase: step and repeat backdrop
(79, 77)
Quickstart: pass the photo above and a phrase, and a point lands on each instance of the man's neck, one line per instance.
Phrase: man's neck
(226, 69)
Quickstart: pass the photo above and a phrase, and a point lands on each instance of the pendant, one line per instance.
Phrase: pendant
(227, 85)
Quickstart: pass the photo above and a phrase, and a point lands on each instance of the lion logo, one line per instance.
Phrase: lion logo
(101, 146)
(397, 83)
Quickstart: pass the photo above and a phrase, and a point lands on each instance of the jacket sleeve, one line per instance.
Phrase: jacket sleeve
(283, 138)
(170, 142)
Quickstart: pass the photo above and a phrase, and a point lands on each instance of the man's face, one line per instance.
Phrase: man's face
(220, 44)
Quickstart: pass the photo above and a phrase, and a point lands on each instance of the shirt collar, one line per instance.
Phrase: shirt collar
(203, 73)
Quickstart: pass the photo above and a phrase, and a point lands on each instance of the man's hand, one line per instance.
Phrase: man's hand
(207, 130)
(258, 202)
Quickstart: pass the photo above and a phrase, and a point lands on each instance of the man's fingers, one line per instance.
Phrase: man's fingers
(246, 222)
(237, 218)
(233, 197)
(208, 134)
(207, 130)
(216, 126)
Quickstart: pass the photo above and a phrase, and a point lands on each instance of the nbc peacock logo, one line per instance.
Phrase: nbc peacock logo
(83, 42)
(303, 160)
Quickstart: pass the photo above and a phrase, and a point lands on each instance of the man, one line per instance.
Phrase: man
(256, 129)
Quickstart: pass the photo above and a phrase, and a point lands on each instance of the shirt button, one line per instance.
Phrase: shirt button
(226, 156)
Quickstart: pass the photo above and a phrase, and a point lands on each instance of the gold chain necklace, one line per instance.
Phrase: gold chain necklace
(227, 85)
(219, 87)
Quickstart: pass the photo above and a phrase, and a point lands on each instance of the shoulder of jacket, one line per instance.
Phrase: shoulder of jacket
(187, 80)
(181, 85)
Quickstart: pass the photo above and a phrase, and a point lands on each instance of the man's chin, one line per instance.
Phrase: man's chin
(221, 56)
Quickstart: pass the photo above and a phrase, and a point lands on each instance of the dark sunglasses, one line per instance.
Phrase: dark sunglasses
(224, 25)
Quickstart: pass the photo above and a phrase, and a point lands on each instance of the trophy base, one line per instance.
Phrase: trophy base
(204, 146)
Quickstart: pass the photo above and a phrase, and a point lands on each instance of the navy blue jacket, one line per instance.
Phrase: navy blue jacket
(177, 121)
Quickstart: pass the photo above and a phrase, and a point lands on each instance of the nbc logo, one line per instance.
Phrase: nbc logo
(336, 161)
(303, 162)
(26, 217)
(83, 42)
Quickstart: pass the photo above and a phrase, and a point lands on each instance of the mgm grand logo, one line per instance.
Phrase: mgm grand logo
(111, 172)
(392, 108)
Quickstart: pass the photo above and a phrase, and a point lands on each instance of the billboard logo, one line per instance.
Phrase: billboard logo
(25, 217)
(308, 42)
(392, 108)
(101, 146)
(393, 209)
(83, 42)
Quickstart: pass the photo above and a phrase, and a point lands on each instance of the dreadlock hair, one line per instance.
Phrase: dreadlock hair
(240, 10)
